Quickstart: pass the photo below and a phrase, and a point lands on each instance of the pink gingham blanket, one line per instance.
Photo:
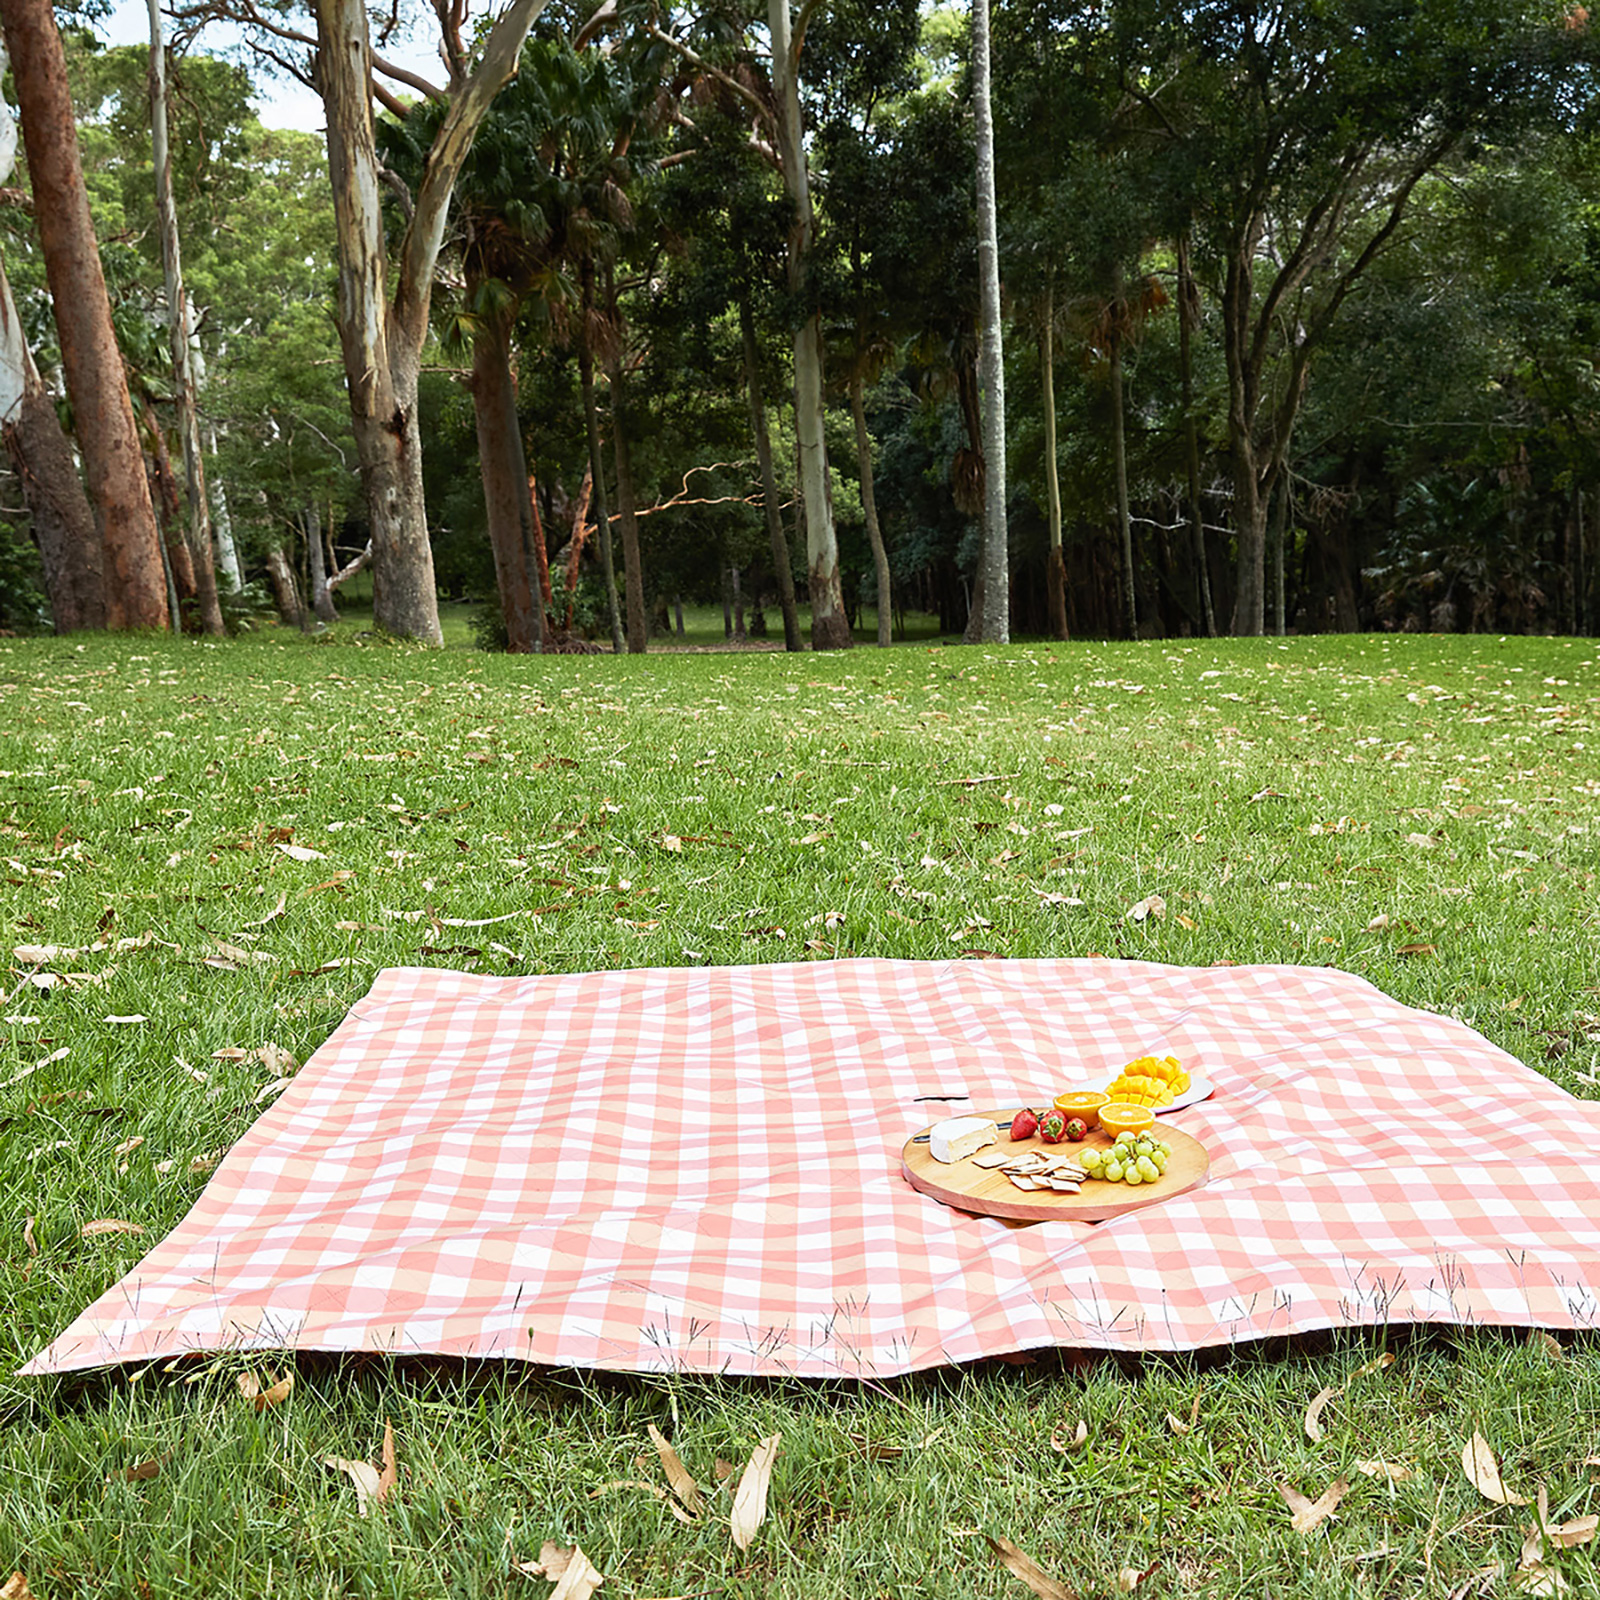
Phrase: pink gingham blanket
(700, 1170)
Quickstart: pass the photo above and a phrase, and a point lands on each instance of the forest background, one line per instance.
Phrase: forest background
(1299, 312)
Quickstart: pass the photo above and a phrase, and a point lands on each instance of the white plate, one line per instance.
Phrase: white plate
(1199, 1089)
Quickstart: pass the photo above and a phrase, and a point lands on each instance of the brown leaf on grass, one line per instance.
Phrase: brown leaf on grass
(337, 881)
(15, 1588)
(1061, 1444)
(265, 1399)
(1151, 906)
(1129, 1578)
(103, 1225)
(576, 1576)
(28, 1238)
(142, 1473)
(724, 1469)
(1314, 1428)
(653, 1489)
(750, 1498)
(1481, 1581)
(1546, 1343)
(1178, 1425)
(276, 911)
(1385, 1469)
(1415, 950)
(1309, 1514)
(362, 1474)
(1564, 1535)
(300, 852)
(1480, 1466)
(390, 1475)
(1023, 1566)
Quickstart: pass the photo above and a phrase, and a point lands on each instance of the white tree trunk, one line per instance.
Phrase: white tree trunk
(995, 561)
(178, 328)
(830, 629)
(382, 339)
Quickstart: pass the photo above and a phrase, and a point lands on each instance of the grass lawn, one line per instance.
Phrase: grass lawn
(1331, 800)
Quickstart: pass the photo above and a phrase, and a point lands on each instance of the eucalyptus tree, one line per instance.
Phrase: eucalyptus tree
(134, 590)
(1308, 130)
(58, 509)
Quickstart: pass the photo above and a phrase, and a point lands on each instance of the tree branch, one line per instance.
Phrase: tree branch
(700, 64)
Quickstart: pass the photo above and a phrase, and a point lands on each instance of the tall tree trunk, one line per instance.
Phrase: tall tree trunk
(1278, 518)
(830, 630)
(58, 509)
(103, 415)
(995, 562)
(597, 471)
(1188, 320)
(869, 506)
(1249, 508)
(1119, 459)
(503, 466)
(782, 570)
(382, 339)
(739, 635)
(322, 606)
(285, 591)
(1056, 574)
(198, 528)
(168, 502)
(541, 552)
(632, 566)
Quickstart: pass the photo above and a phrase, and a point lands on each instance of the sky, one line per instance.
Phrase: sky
(282, 102)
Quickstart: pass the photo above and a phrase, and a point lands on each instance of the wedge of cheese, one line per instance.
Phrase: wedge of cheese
(956, 1138)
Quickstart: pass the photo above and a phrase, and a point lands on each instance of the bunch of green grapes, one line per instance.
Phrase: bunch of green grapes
(1135, 1158)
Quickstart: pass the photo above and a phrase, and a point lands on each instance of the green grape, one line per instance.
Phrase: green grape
(1112, 1171)
(1090, 1161)
(1132, 1176)
(1143, 1147)
(1160, 1161)
(1147, 1169)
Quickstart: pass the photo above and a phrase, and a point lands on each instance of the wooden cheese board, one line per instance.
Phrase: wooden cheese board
(990, 1193)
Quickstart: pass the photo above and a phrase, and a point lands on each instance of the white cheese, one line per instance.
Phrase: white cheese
(956, 1138)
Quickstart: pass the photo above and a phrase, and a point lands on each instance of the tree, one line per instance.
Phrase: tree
(63, 524)
(382, 334)
(178, 336)
(107, 436)
(995, 563)
(1308, 130)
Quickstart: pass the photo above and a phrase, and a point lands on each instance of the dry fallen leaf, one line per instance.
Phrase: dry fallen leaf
(1314, 1429)
(143, 1473)
(265, 1399)
(1178, 1425)
(362, 1474)
(750, 1498)
(1151, 906)
(15, 1588)
(28, 1239)
(1383, 1469)
(1547, 1343)
(390, 1475)
(724, 1469)
(653, 1489)
(1061, 1444)
(1023, 1566)
(1479, 1464)
(578, 1578)
(1309, 1514)
(300, 852)
(678, 1475)
(1129, 1578)
(100, 1225)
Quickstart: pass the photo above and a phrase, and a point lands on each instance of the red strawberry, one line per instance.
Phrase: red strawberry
(1024, 1125)
(1053, 1126)
(1077, 1129)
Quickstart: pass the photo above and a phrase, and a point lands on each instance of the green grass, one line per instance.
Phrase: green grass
(1326, 800)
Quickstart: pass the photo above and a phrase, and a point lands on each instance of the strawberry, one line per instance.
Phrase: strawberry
(1077, 1129)
(1053, 1126)
(1024, 1125)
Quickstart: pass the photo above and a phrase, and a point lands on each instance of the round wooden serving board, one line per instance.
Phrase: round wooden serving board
(990, 1193)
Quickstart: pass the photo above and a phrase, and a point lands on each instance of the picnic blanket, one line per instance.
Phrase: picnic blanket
(699, 1169)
